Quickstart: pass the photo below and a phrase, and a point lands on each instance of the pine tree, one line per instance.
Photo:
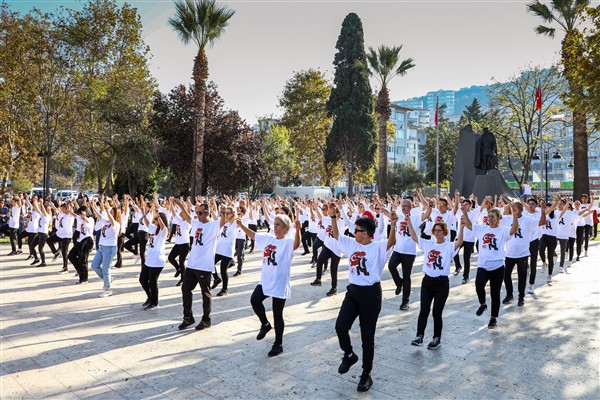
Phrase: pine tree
(352, 140)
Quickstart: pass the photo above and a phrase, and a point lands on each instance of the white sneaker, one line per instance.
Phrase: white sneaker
(586, 253)
(530, 289)
(106, 293)
(544, 267)
(63, 271)
(562, 269)
(136, 259)
(549, 280)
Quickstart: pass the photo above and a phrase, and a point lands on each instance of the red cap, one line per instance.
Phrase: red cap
(369, 214)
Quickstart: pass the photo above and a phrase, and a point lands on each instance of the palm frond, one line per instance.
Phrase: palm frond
(541, 10)
(545, 30)
(405, 66)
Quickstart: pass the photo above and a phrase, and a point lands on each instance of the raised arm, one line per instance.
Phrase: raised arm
(392, 238)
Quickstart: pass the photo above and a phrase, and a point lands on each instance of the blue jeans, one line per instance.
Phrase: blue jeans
(102, 263)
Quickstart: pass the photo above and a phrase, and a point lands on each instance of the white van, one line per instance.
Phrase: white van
(306, 192)
(39, 191)
(66, 194)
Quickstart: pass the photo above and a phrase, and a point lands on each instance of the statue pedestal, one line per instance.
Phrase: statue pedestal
(491, 184)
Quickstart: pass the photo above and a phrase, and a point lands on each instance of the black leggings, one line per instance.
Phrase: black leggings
(571, 247)
(120, 243)
(13, 234)
(253, 228)
(179, 251)
(257, 299)
(495, 277)
(563, 250)
(548, 243)
(468, 248)
(407, 261)
(436, 290)
(22, 235)
(79, 255)
(363, 302)
(318, 243)
(64, 248)
(225, 262)
(30, 239)
(149, 281)
(521, 264)
(141, 238)
(191, 278)
(534, 250)
(239, 252)
(308, 239)
(325, 255)
(40, 242)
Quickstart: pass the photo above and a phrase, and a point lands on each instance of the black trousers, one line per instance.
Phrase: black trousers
(22, 235)
(239, 252)
(521, 264)
(495, 277)
(563, 243)
(40, 242)
(253, 228)
(548, 243)
(64, 247)
(120, 244)
(256, 300)
(363, 302)
(149, 281)
(141, 239)
(79, 255)
(179, 251)
(224, 264)
(318, 243)
(308, 239)
(325, 255)
(30, 238)
(468, 248)
(571, 247)
(13, 234)
(534, 249)
(407, 261)
(434, 290)
(191, 278)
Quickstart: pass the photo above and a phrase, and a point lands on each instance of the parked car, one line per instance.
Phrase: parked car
(66, 194)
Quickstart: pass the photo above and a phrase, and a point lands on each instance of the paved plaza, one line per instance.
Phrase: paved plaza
(59, 340)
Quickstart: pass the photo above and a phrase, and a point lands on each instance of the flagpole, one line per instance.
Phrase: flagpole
(538, 105)
(437, 150)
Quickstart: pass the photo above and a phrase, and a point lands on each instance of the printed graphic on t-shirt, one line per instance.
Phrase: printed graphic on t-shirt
(151, 241)
(485, 220)
(358, 263)
(439, 218)
(329, 231)
(224, 231)
(490, 241)
(518, 234)
(60, 222)
(434, 259)
(548, 224)
(178, 231)
(404, 228)
(82, 228)
(561, 221)
(198, 237)
(269, 254)
(104, 228)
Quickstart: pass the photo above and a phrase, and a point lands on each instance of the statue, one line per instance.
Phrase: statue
(486, 157)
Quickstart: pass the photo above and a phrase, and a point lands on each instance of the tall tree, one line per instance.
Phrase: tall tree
(514, 120)
(385, 65)
(304, 103)
(567, 15)
(352, 138)
(448, 143)
(404, 177)
(201, 22)
(472, 113)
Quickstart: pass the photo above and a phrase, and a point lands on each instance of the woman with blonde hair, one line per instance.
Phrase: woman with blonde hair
(109, 225)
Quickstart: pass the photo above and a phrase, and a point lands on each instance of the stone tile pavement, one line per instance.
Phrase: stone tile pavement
(59, 340)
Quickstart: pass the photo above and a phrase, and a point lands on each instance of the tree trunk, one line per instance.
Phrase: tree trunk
(383, 115)
(581, 173)
(200, 75)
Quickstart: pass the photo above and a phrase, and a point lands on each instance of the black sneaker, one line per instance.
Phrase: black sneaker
(493, 323)
(56, 255)
(146, 303)
(222, 293)
(332, 291)
(20, 252)
(29, 257)
(35, 261)
(152, 307)
(457, 271)
(237, 273)
(481, 309)
(186, 323)
(12, 253)
(316, 282)
(276, 350)
(404, 306)
(42, 265)
(347, 362)
(507, 299)
(179, 283)
(264, 329)
(399, 288)
(204, 324)
(418, 341)
(216, 282)
(365, 382)
(434, 344)
(177, 273)
(305, 253)
(521, 303)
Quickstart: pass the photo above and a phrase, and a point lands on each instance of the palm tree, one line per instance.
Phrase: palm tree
(566, 13)
(201, 22)
(384, 66)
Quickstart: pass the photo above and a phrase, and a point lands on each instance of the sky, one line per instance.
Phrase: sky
(454, 44)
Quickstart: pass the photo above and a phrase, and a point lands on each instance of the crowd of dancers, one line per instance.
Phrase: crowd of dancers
(211, 235)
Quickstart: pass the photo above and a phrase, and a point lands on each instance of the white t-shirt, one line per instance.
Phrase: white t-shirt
(276, 265)
(468, 235)
(365, 263)
(551, 227)
(329, 241)
(527, 189)
(437, 257)
(44, 222)
(226, 239)
(404, 243)
(564, 224)
(15, 217)
(109, 233)
(64, 225)
(518, 246)
(155, 251)
(204, 243)
(86, 227)
(491, 245)
(140, 220)
(239, 233)
(589, 219)
(182, 230)
(33, 224)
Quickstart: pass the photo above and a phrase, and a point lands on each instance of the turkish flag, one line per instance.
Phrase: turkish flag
(538, 99)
